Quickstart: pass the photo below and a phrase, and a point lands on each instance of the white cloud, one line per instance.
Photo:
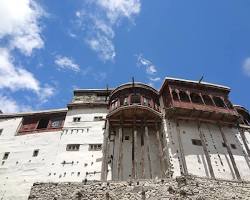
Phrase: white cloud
(149, 66)
(155, 79)
(64, 62)
(18, 78)
(11, 106)
(103, 46)
(19, 24)
(99, 23)
(246, 66)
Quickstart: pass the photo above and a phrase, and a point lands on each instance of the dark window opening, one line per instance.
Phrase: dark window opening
(56, 123)
(126, 137)
(196, 98)
(175, 96)
(76, 119)
(208, 101)
(135, 99)
(43, 123)
(6, 155)
(223, 144)
(184, 96)
(233, 146)
(72, 147)
(196, 142)
(229, 104)
(1, 131)
(219, 102)
(98, 118)
(95, 147)
(124, 101)
(35, 153)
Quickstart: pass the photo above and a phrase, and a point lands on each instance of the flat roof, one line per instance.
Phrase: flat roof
(21, 114)
(195, 82)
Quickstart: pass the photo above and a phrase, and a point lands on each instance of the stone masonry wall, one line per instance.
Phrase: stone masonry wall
(167, 189)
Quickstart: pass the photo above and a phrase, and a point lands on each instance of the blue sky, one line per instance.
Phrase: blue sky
(48, 48)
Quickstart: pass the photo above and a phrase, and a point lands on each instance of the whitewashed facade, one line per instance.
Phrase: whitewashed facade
(116, 135)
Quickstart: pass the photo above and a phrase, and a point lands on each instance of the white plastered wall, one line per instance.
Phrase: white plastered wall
(21, 170)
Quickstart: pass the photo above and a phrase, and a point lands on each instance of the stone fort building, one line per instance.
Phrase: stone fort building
(132, 132)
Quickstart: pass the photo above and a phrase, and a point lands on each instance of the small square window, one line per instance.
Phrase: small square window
(233, 146)
(196, 142)
(126, 137)
(98, 118)
(1, 131)
(76, 119)
(35, 153)
(95, 147)
(6, 155)
(73, 147)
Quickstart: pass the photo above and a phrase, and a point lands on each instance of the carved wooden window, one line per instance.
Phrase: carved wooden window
(184, 96)
(175, 95)
(219, 102)
(43, 123)
(135, 99)
(207, 99)
(196, 98)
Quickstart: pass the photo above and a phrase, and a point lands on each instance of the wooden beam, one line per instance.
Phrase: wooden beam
(242, 134)
(119, 167)
(201, 134)
(105, 151)
(230, 153)
(160, 149)
(148, 151)
(184, 170)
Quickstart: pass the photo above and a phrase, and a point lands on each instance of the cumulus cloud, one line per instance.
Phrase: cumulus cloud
(246, 66)
(19, 24)
(100, 20)
(64, 62)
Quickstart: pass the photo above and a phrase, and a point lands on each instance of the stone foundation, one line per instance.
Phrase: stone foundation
(179, 188)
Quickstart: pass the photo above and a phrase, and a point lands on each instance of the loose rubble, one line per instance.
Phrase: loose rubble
(166, 189)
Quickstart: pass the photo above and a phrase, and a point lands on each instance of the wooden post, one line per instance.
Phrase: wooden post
(135, 153)
(119, 170)
(105, 152)
(230, 153)
(242, 134)
(160, 149)
(182, 158)
(142, 153)
(147, 150)
(205, 151)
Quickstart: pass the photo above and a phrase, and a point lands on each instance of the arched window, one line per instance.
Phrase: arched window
(207, 99)
(196, 98)
(135, 99)
(175, 95)
(219, 102)
(124, 101)
(184, 96)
